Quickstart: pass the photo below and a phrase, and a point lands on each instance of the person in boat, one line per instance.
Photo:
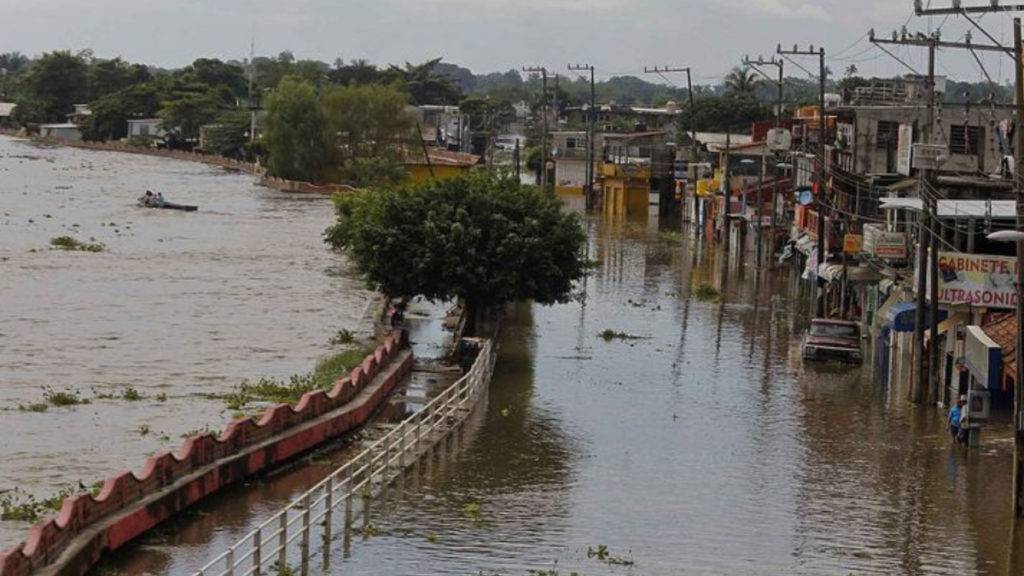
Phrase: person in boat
(160, 199)
(147, 199)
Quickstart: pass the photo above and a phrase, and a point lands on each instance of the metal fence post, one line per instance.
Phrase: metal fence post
(230, 561)
(282, 541)
(257, 551)
(328, 513)
(305, 533)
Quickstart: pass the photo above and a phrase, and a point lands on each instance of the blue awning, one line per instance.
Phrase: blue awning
(901, 316)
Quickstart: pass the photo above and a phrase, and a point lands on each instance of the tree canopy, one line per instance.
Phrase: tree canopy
(293, 131)
(483, 238)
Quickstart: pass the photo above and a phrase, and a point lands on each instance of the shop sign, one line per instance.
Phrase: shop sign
(977, 280)
(882, 244)
(853, 243)
(904, 147)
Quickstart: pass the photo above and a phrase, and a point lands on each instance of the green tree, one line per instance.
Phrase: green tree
(424, 83)
(730, 113)
(110, 113)
(110, 76)
(362, 122)
(482, 238)
(185, 113)
(294, 131)
(228, 135)
(52, 85)
(742, 81)
(213, 73)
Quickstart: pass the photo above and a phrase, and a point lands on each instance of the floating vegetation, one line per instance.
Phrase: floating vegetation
(472, 510)
(197, 432)
(16, 505)
(608, 335)
(161, 397)
(72, 245)
(35, 407)
(67, 397)
(706, 292)
(603, 555)
(342, 338)
(144, 430)
(131, 394)
(275, 391)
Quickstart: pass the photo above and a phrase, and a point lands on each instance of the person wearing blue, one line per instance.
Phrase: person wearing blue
(955, 416)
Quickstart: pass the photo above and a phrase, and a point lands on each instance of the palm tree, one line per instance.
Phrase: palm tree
(742, 81)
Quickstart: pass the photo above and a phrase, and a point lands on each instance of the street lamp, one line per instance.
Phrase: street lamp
(1018, 390)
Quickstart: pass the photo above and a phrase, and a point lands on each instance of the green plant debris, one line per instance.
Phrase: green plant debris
(603, 555)
(161, 397)
(472, 510)
(342, 338)
(34, 407)
(95, 488)
(671, 236)
(275, 391)
(706, 292)
(282, 569)
(16, 505)
(608, 335)
(73, 245)
(66, 397)
(432, 538)
(197, 432)
(144, 430)
(131, 394)
(370, 530)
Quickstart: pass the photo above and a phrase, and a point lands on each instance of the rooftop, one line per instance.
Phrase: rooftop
(1003, 331)
(442, 157)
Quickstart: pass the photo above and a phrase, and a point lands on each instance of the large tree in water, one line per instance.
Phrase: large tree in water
(481, 238)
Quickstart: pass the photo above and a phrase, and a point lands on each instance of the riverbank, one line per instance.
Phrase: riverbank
(158, 327)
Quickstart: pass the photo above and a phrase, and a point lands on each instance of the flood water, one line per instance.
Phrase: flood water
(181, 304)
(702, 446)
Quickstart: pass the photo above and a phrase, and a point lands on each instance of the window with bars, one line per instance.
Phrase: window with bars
(887, 135)
(966, 139)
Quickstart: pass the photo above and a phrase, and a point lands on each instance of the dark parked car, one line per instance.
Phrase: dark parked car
(832, 340)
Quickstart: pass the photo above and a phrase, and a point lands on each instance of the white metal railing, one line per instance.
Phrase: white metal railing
(374, 468)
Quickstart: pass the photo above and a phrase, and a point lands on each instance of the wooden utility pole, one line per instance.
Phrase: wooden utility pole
(661, 71)
(823, 132)
(591, 133)
(544, 122)
(1018, 391)
(755, 65)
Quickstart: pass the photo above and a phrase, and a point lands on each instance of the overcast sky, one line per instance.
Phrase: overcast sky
(617, 36)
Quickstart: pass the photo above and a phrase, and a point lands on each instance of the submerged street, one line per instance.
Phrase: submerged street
(700, 446)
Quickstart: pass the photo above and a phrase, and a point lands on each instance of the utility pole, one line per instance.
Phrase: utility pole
(544, 129)
(661, 71)
(823, 131)
(1018, 392)
(591, 133)
(252, 90)
(755, 64)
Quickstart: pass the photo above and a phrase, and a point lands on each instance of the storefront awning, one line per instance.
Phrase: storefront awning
(901, 316)
(854, 274)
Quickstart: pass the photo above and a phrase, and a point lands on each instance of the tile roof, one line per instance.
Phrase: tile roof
(1003, 331)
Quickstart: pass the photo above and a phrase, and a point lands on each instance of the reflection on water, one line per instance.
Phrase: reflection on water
(179, 304)
(703, 446)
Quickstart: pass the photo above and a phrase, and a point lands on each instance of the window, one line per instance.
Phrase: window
(965, 139)
(834, 330)
(887, 135)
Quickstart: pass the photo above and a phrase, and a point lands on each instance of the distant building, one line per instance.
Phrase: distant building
(443, 126)
(636, 171)
(621, 119)
(65, 131)
(442, 164)
(6, 111)
(145, 127)
(570, 150)
(80, 115)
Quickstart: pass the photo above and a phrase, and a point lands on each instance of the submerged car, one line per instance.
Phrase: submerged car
(832, 340)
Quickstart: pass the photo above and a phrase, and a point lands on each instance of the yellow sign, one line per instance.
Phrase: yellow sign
(853, 243)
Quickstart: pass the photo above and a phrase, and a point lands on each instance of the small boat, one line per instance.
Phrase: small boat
(145, 203)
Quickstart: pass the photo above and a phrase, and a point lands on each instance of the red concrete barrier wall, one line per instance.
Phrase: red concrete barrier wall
(51, 537)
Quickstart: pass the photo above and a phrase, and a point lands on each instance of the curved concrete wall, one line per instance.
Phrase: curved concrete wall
(131, 503)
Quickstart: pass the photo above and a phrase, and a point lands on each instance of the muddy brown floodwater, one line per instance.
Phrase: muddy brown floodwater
(178, 304)
(703, 447)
